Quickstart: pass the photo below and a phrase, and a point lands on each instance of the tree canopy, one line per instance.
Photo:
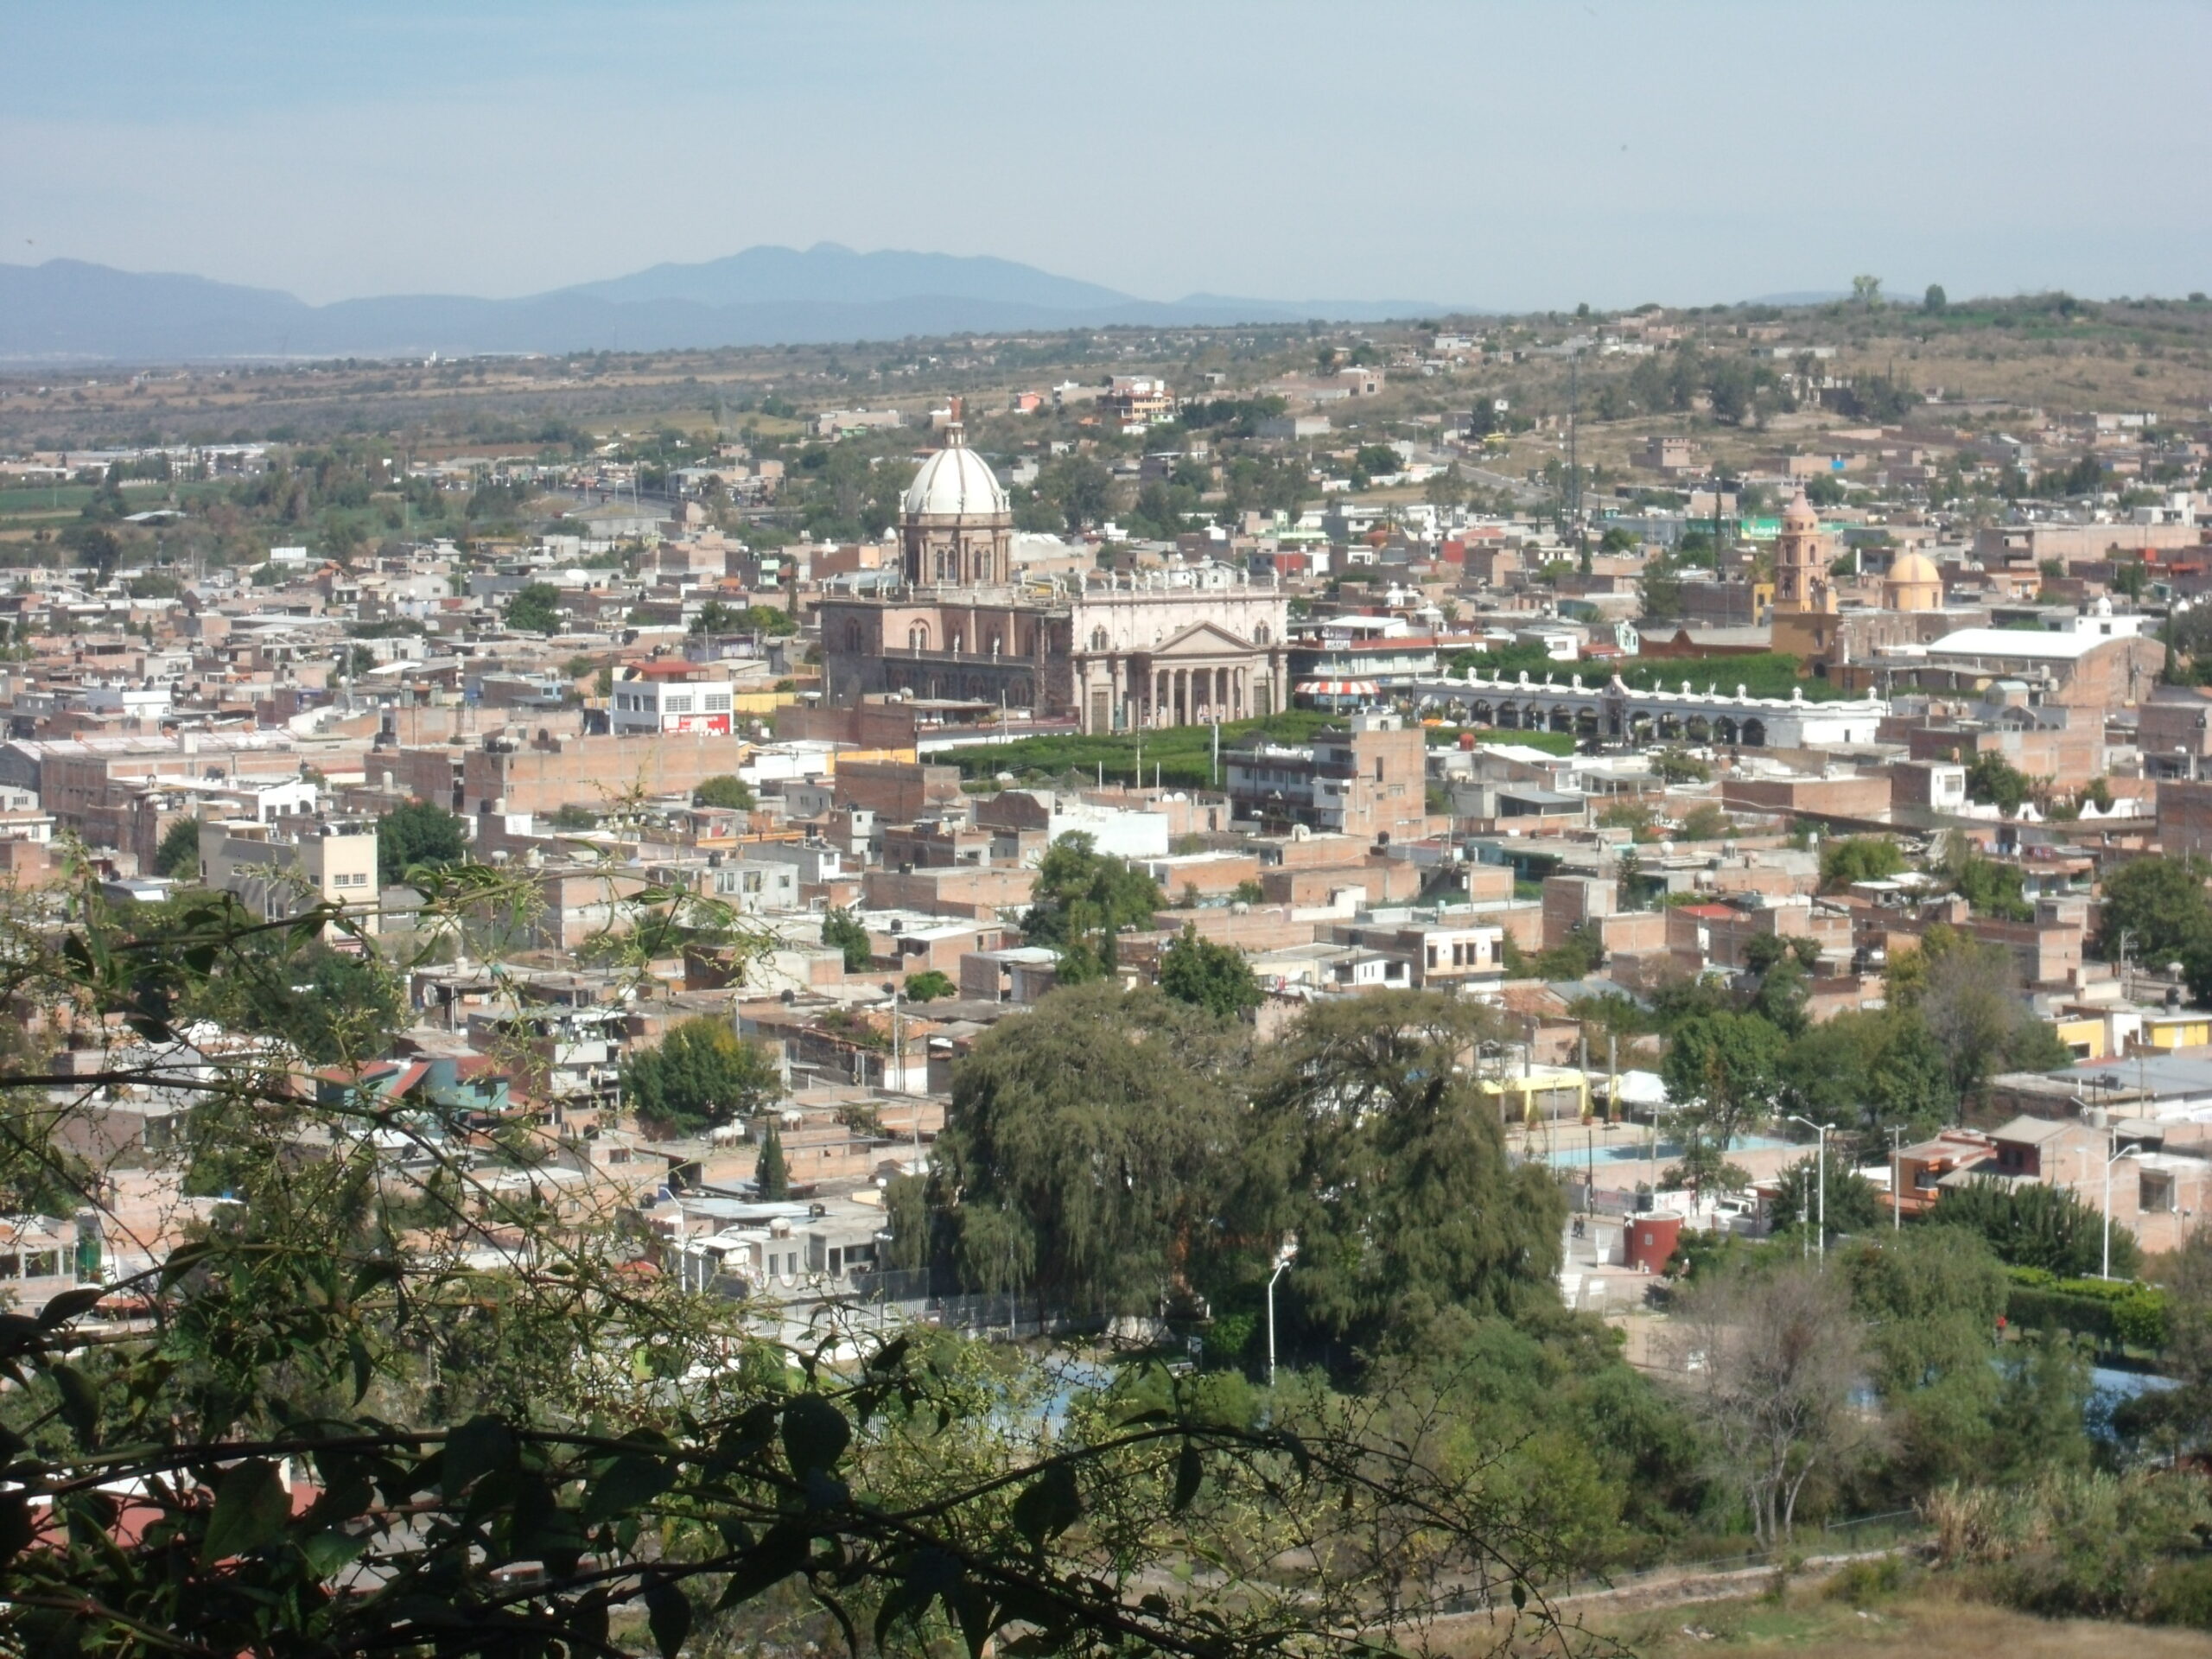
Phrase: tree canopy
(1215, 977)
(1082, 900)
(415, 833)
(701, 1074)
(1086, 1148)
(724, 790)
(536, 608)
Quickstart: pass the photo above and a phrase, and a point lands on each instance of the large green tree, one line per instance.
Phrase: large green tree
(415, 833)
(2158, 908)
(2029, 1224)
(1082, 900)
(1723, 1075)
(177, 854)
(701, 1074)
(1373, 1142)
(536, 608)
(1086, 1150)
(1215, 977)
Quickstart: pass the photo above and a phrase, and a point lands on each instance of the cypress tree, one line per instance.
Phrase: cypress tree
(772, 1178)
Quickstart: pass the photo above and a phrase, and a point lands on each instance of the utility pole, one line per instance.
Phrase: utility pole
(1573, 458)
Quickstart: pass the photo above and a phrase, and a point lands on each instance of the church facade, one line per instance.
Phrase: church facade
(1113, 652)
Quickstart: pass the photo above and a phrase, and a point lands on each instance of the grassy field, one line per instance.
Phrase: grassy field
(1183, 754)
(1810, 1624)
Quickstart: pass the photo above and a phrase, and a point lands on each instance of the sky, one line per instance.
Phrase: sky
(1498, 156)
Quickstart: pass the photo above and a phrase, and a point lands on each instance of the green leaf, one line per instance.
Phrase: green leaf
(1520, 1595)
(668, 1610)
(69, 1304)
(331, 1553)
(1190, 1470)
(780, 1553)
(182, 1261)
(81, 1403)
(15, 1528)
(816, 1434)
(364, 1367)
(475, 1449)
(1048, 1506)
(252, 1507)
(630, 1484)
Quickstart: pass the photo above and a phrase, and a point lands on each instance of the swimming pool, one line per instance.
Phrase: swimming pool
(1587, 1156)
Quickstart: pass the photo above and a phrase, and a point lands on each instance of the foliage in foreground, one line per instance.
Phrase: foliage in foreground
(501, 1437)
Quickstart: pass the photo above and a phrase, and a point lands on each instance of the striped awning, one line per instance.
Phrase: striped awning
(1340, 688)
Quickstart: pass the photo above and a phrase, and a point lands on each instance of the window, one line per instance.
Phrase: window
(1098, 638)
(1260, 635)
(917, 636)
(675, 704)
(717, 703)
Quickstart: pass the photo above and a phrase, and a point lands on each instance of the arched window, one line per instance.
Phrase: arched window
(1098, 638)
(853, 640)
(917, 636)
(1260, 634)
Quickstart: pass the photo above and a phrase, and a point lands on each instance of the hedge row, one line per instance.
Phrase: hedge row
(2113, 1311)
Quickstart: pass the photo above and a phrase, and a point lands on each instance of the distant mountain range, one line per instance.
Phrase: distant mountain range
(65, 310)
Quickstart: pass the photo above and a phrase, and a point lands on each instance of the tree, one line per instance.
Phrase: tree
(724, 790)
(1853, 1206)
(930, 985)
(1992, 779)
(1215, 977)
(1859, 858)
(1706, 821)
(2029, 1224)
(1934, 302)
(416, 835)
(1993, 889)
(714, 618)
(772, 1176)
(1085, 1150)
(1675, 765)
(1082, 900)
(1373, 1143)
(1965, 993)
(2159, 906)
(1721, 1072)
(177, 854)
(1866, 291)
(1769, 1362)
(536, 608)
(1868, 1072)
(702, 1075)
(841, 928)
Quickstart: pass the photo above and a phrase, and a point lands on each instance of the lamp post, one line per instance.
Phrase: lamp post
(1821, 1130)
(1896, 1171)
(2125, 1152)
(1286, 1253)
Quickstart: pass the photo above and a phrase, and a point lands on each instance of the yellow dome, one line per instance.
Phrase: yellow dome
(1914, 584)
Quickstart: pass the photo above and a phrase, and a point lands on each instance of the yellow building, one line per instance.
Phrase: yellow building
(1548, 1092)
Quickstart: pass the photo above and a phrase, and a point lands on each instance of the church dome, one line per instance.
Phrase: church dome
(1799, 515)
(1913, 584)
(955, 482)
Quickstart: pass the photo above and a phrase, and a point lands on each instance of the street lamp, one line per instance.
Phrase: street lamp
(1286, 1253)
(2125, 1152)
(1821, 1130)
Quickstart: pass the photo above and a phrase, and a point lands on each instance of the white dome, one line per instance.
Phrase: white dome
(956, 481)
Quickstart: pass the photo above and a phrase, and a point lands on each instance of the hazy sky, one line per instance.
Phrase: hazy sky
(1495, 154)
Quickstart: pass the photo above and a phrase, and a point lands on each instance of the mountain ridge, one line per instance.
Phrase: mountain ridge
(69, 310)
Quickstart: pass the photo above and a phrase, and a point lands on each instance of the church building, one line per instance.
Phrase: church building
(1184, 647)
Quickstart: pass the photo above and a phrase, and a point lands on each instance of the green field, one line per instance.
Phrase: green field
(1183, 754)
